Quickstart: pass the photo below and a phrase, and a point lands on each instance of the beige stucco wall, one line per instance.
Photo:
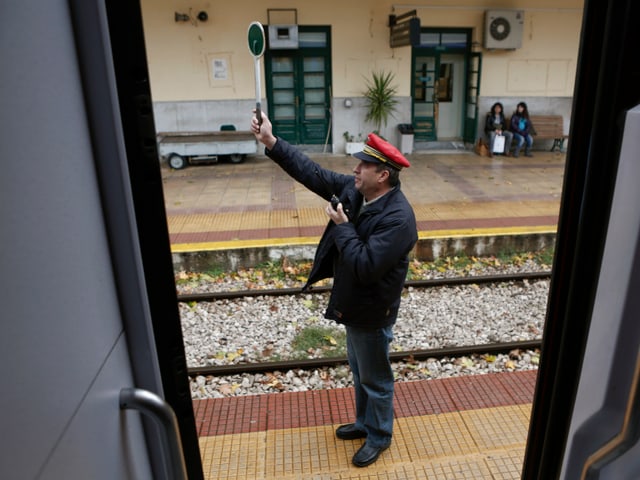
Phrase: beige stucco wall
(187, 96)
(180, 54)
(546, 63)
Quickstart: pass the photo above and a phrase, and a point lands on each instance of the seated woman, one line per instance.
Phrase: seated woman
(522, 128)
(496, 124)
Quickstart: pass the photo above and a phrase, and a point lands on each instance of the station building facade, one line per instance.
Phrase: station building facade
(450, 61)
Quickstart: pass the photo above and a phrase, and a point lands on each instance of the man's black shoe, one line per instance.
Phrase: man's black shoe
(367, 455)
(350, 432)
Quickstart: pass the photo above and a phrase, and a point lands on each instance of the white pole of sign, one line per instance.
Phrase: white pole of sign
(256, 47)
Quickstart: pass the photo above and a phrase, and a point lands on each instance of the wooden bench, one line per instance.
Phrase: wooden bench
(549, 127)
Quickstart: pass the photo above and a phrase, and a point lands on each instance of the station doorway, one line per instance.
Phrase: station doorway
(298, 86)
(450, 95)
(445, 83)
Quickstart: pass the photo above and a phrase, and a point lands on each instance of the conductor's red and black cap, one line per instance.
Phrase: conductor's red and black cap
(377, 150)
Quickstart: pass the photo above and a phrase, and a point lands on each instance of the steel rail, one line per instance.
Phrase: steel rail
(430, 283)
(262, 367)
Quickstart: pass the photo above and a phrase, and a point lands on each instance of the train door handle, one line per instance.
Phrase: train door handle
(155, 407)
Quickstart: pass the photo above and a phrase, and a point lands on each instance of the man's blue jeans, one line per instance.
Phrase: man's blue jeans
(368, 354)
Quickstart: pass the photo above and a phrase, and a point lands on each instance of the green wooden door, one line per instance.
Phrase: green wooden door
(426, 75)
(474, 67)
(425, 101)
(298, 83)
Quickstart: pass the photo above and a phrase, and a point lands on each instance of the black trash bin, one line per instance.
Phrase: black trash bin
(405, 143)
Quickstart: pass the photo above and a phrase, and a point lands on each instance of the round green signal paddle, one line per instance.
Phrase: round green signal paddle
(256, 47)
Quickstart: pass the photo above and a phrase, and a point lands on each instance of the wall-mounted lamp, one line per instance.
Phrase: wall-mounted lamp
(348, 103)
(186, 17)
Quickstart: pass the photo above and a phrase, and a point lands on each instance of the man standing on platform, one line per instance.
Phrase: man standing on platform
(365, 248)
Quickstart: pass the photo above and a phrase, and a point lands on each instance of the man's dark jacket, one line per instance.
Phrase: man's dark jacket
(367, 256)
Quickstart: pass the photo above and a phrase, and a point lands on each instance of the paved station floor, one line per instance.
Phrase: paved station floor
(255, 203)
(460, 428)
(463, 428)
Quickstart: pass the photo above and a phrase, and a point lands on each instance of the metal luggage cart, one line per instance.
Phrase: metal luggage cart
(184, 148)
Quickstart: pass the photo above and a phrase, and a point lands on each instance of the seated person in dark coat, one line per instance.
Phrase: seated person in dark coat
(522, 129)
(496, 124)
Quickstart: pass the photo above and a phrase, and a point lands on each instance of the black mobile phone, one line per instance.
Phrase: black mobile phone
(334, 202)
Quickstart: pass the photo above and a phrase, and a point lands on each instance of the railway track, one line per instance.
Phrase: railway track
(435, 282)
(263, 367)
(411, 355)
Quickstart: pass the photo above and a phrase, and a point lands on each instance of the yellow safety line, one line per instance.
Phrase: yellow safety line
(481, 232)
(231, 244)
(423, 235)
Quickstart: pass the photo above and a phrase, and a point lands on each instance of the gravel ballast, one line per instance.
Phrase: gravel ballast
(259, 329)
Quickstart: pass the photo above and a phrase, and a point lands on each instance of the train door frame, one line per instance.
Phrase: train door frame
(136, 112)
(78, 255)
(606, 88)
(604, 426)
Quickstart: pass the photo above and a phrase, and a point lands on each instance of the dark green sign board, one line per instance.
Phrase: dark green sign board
(256, 39)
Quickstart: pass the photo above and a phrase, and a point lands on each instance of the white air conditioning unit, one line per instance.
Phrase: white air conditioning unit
(503, 29)
(283, 36)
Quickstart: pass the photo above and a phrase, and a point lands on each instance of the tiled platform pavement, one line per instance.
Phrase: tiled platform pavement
(255, 203)
(459, 428)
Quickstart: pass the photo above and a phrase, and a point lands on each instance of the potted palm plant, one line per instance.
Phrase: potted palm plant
(380, 98)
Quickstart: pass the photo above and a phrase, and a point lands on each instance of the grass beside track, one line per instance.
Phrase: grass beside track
(285, 273)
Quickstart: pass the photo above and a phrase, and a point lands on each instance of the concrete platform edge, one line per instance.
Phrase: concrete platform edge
(230, 256)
